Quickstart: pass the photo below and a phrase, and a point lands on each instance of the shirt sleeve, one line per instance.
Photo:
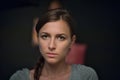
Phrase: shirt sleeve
(20, 75)
(92, 74)
(87, 73)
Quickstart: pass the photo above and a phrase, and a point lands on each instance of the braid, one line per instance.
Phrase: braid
(38, 68)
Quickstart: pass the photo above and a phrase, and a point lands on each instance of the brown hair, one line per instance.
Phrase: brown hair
(50, 16)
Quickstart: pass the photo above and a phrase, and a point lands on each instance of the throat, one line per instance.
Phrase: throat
(56, 70)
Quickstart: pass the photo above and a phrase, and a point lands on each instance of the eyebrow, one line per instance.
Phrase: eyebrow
(49, 33)
(43, 33)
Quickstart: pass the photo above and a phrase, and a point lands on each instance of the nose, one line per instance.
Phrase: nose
(52, 45)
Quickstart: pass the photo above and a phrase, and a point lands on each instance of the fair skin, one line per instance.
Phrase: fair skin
(55, 42)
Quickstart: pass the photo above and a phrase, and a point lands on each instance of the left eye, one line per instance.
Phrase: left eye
(61, 38)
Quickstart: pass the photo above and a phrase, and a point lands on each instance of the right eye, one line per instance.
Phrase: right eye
(44, 37)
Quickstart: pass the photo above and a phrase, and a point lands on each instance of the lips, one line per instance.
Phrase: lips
(51, 55)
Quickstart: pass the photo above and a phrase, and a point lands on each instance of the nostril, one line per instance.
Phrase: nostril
(51, 48)
(52, 44)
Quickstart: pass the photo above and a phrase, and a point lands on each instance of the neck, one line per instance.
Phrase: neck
(55, 69)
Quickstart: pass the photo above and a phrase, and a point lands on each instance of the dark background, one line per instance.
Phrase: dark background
(97, 26)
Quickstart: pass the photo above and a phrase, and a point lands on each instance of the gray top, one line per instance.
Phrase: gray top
(79, 72)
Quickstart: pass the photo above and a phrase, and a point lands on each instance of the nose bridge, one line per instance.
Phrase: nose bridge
(52, 43)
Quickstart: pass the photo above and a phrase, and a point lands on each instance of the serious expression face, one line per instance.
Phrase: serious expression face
(54, 41)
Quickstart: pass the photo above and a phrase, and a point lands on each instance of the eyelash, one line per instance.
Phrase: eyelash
(61, 38)
(44, 36)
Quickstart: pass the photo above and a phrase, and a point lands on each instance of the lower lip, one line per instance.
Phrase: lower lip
(51, 55)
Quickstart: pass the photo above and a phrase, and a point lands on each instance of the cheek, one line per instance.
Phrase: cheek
(42, 45)
(64, 48)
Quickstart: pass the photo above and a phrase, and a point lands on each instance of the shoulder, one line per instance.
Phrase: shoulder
(83, 68)
(85, 72)
(20, 75)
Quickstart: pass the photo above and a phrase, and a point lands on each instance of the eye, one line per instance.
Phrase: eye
(44, 37)
(61, 38)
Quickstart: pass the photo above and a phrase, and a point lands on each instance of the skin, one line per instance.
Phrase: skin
(54, 37)
(55, 42)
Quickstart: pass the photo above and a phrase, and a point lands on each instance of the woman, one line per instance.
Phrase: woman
(56, 35)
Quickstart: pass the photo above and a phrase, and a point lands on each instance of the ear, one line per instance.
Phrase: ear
(73, 40)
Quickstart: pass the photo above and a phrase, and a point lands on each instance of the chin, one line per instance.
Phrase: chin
(52, 61)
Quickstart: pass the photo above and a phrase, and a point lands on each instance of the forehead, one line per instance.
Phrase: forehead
(59, 26)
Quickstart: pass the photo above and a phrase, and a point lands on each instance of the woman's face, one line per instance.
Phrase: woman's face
(54, 41)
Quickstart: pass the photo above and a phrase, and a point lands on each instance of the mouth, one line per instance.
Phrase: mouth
(52, 55)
